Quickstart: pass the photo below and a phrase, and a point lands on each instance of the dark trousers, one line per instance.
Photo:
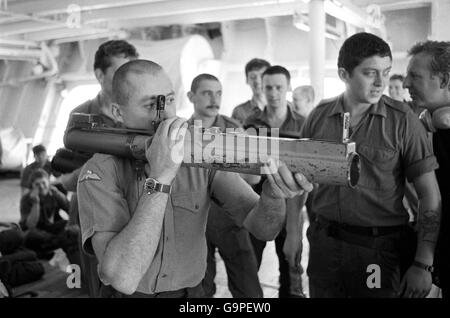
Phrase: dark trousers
(290, 279)
(236, 250)
(45, 241)
(341, 264)
(189, 292)
(17, 265)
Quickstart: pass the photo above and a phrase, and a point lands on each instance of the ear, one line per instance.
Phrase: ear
(343, 74)
(190, 96)
(116, 112)
(99, 75)
(445, 81)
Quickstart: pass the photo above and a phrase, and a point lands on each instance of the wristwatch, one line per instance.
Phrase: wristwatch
(152, 185)
(428, 268)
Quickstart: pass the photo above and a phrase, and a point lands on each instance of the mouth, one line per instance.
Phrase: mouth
(214, 107)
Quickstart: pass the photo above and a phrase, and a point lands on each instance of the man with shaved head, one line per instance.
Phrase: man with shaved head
(145, 222)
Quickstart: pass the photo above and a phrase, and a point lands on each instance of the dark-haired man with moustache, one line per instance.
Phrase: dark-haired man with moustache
(147, 226)
(232, 241)
(359, 240)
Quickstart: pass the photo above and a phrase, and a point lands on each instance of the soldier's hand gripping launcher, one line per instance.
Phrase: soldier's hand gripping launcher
(323, 162)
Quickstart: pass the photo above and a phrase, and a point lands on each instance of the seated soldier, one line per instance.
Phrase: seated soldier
(45, 229)
(41, 161)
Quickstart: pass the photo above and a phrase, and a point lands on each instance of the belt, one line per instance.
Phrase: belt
(370, 231)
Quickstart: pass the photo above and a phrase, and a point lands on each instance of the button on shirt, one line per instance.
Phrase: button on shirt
(392, 144)
(109, 189)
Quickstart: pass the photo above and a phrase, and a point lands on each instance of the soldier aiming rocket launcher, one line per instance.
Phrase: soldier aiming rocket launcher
(323, 162)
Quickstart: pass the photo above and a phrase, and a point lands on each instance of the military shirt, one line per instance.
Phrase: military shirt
(242, 111)
(392, 144)
(109, 189)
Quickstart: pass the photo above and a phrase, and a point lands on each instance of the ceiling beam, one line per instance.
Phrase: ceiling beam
(393, 5)
(66, 33)
(25, 27)
(48, 7)
(174, 7)
(213, 16)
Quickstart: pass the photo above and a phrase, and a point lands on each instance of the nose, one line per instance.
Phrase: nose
(407, 82)
(378, 80)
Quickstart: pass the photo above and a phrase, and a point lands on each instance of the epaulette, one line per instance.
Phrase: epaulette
(395, 104)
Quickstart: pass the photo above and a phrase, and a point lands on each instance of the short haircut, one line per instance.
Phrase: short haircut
(38, 174)
(202, 77)
(399, 77)
(307, 90)
(360, 46)
(439, 52)
(255, 64)
(113, 48)
(38, 149)
(277, 69)
(121, 85)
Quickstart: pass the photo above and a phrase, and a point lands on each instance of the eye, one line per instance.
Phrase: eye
(370, 73)
(170, 100)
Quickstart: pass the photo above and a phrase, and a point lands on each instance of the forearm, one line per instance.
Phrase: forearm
(267, 218)
(294, 208)
(429, 219)
(129, 253)
(33, 217)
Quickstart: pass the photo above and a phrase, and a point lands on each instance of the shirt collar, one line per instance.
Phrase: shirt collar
(376, 109)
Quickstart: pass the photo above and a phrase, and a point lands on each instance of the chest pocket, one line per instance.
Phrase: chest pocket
(378, 167)
(187, 201)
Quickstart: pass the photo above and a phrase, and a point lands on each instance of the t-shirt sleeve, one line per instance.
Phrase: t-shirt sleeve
(417, 150)
(101, 202)
(235, 196)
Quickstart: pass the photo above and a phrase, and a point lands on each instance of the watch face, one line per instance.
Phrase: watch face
(150, 185)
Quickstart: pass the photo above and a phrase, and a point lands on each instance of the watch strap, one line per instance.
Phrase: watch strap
(428, 268)
(159, 187)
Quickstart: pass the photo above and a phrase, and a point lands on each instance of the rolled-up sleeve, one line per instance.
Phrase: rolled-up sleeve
(101, 202)
(417, 149)
(235, 196)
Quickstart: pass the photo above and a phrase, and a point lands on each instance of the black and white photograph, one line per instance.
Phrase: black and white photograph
(231, 154)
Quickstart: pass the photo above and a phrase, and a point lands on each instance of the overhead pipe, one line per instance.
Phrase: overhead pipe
(52, 71)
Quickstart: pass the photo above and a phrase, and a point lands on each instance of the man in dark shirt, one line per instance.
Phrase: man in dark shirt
(40, 162)
(357, 242)
(279, 114)
(39, 217)
(253, 71)
(428, 81)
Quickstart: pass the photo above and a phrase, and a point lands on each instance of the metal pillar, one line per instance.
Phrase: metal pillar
(317, 46)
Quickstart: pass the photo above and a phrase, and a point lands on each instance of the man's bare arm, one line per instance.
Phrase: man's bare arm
(429, 218)
(124, 257)
(417, 282)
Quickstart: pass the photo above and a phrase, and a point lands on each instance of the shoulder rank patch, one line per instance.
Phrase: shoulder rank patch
(89, 175)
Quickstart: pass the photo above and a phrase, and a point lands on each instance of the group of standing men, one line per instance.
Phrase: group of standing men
(146, 226)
